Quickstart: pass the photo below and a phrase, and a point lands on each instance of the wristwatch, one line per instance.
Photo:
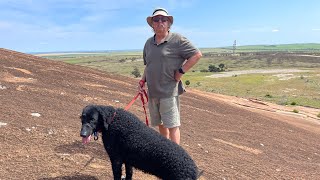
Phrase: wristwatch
(181, 70)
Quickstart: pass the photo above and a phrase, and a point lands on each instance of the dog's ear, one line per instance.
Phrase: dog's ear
(105, 124)
(105, 114)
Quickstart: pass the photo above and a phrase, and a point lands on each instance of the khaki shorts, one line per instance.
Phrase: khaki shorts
(165, 111)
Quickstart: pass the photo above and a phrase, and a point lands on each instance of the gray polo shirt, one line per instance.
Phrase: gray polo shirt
(162, 61)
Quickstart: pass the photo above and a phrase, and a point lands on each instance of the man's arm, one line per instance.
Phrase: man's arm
(188, 65)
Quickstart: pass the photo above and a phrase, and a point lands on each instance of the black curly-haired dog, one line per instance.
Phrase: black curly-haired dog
(128, 140)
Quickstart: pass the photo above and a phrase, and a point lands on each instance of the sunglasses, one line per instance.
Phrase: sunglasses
(158, 18)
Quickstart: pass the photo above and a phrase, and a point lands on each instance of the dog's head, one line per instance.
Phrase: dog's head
(89, 119)
(93, 119)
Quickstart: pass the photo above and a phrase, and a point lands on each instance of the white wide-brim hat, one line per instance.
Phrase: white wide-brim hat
(157, 12)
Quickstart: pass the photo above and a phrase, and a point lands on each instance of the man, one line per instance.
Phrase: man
(167, 57)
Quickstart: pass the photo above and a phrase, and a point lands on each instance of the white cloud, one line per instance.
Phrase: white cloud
(275, 30)
(5, 25)
(316, 29)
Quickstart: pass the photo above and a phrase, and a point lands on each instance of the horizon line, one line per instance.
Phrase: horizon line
(132, 50)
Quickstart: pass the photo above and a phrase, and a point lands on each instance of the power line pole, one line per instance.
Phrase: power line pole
(234, 46)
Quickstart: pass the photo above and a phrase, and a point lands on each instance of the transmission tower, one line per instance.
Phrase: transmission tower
(234, 46)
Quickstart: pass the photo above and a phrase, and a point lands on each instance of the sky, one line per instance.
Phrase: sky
(92, 25)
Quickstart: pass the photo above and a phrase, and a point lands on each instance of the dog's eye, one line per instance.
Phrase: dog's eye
(82, 116)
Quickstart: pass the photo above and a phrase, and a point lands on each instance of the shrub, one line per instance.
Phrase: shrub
(136, 72)
(221, 66)
(295, 111)
(268, 96)
(187, 82)
(318, 115)
(293, 103)
(213, 68)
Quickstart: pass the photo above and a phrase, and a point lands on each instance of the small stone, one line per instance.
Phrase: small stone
(50, 131)
(2, 124)
(2, 87)
(35, 114)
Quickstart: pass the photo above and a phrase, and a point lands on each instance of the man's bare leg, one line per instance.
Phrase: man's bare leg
(174, 134)
(170, 133)
(164, 131)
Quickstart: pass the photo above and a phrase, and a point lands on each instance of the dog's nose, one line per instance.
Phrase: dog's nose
(85, 132)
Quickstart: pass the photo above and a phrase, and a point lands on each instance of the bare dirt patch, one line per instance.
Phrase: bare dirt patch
(10, 78)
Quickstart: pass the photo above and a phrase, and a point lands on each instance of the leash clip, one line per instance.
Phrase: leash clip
(95, 135)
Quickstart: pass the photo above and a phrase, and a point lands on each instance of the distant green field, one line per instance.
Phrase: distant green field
(283, 47)
(290, 88)
(299, 88)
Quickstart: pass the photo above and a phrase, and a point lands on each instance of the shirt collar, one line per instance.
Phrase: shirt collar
(167, 38)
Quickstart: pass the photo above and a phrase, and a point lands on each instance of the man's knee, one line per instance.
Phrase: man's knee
(164, 131)
(174, 129)
(174, 134)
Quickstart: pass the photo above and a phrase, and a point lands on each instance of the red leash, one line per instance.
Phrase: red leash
(142, 94)
(134, 99)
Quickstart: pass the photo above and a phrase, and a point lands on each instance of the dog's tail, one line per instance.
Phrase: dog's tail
(200, 174)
